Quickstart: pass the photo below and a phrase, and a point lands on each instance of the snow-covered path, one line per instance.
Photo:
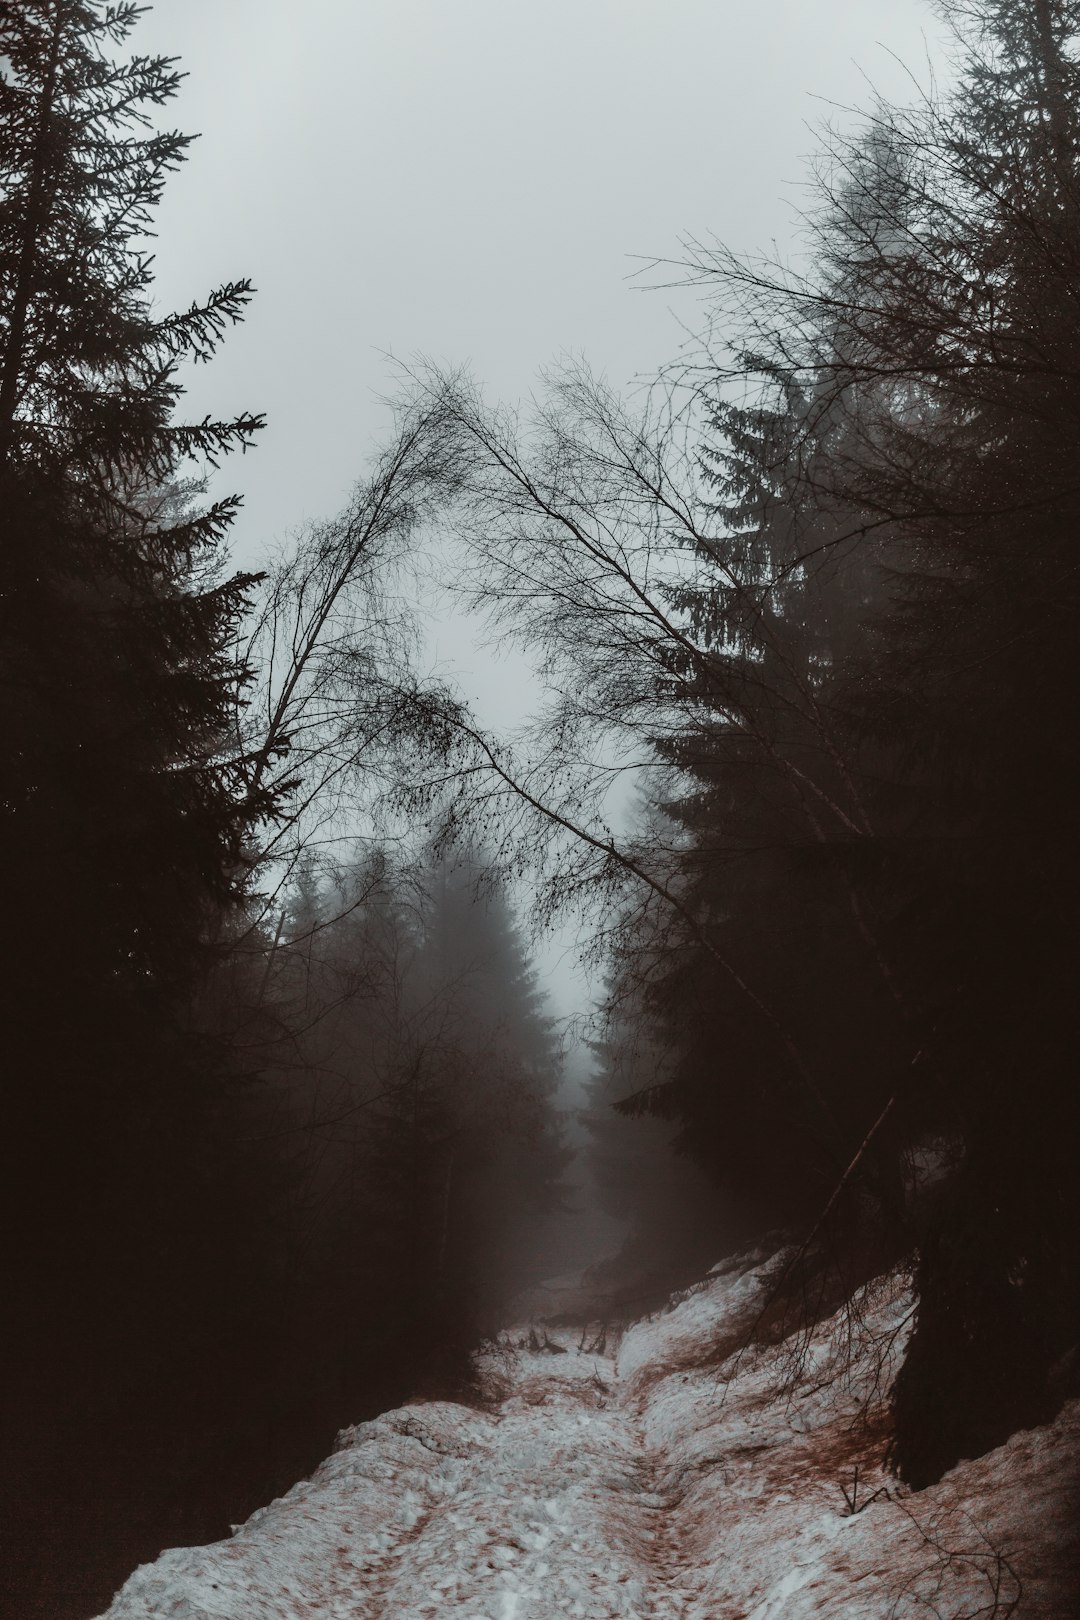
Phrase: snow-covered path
(676, 1479)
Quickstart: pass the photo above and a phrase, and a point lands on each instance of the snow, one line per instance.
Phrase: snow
(679, 1475)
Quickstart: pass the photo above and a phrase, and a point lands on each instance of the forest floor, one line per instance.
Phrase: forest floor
(667, 1472)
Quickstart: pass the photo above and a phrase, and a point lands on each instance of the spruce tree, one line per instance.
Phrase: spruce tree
(939, 331)
(964, 702)
(876, 780)
(125, 815)
(767, 801)
(121, 682)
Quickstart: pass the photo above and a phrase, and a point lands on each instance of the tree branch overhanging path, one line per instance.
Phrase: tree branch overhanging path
(582, 536)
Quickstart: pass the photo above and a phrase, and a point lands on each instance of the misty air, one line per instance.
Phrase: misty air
(537, 626)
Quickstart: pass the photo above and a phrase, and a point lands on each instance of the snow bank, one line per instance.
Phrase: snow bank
(685, 1477)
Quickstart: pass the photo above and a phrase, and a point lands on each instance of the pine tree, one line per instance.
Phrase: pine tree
(125, 818)
(943, 339)
(907, 514)
(964, 701)
(117, 629)
(414, 1073)
(483, 1069)
(767, 802)
(116, 639)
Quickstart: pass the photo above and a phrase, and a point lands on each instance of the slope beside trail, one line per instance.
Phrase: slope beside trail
(674, 1475)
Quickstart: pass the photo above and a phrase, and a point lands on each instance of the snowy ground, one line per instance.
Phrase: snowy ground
(671, 1476)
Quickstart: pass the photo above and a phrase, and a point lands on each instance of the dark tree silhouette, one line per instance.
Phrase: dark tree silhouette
(934, 339)
(126, 825)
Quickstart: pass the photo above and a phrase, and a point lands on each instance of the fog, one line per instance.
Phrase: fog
(482, 184)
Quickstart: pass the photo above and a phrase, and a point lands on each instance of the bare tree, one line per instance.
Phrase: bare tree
(593, 535)
(337, 706)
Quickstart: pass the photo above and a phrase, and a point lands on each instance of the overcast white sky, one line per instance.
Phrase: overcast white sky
(471, 179)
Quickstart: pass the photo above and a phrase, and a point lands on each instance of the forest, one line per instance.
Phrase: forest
(282, 1114)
